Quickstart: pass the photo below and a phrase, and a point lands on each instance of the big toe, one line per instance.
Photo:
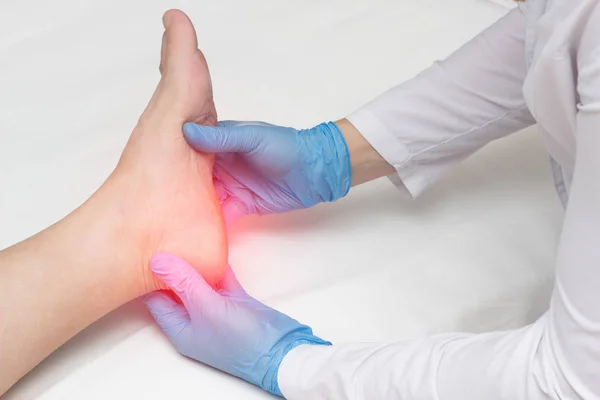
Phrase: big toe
(179, 41)
(185, 70)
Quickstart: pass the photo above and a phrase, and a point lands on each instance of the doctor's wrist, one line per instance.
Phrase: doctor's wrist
(365, 161)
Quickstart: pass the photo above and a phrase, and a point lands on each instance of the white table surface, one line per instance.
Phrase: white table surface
(475, 253)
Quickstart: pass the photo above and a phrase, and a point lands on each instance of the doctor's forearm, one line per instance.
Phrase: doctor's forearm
(365, 162)
(494, 366)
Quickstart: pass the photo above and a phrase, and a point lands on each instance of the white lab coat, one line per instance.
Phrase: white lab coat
(541, 62)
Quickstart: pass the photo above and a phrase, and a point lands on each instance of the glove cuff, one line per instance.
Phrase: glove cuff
(326, 161)
(343, 156)
(300, 337)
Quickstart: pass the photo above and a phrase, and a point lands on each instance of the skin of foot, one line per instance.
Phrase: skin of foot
(160, 198)
(164, 187)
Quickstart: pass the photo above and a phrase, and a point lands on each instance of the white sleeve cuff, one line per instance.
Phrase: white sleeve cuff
(407, 177)
(298, 360)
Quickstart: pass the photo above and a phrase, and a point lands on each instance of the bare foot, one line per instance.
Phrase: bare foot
(166, 187)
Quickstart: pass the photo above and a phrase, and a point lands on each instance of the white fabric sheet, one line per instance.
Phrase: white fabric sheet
(475, 253)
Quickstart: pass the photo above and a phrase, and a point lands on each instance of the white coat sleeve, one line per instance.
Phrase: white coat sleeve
(428, 124)
(557, 357)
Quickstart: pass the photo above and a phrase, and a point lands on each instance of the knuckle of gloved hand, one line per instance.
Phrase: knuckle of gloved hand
(187, 284)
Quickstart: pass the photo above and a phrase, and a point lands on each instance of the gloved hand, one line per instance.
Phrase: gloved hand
(265, 169)
(224, 327)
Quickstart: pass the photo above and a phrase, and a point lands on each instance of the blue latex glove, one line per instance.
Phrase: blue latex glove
(224, 327)
(265, 169)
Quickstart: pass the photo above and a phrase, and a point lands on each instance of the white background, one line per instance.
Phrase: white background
(475, 253)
